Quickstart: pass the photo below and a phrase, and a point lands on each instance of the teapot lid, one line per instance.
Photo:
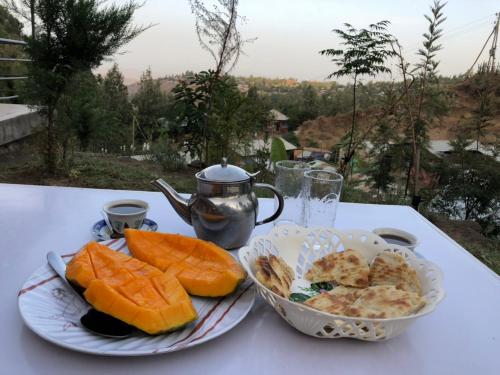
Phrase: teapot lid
(223, 172)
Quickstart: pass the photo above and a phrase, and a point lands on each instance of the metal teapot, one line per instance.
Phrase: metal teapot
(224, 209)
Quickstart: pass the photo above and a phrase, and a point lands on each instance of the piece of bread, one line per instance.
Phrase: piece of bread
(385, 301)
(392, 269)
(348, 268)
(336, 301)
(274, 274)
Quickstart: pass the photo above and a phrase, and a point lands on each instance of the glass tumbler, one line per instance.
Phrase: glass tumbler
(321, 197)
(289, 181)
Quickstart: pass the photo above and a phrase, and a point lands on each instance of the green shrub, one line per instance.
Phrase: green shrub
(166, 153)
(278, 151)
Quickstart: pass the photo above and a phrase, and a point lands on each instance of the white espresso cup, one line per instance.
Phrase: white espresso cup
(124, 213)
(397, 237)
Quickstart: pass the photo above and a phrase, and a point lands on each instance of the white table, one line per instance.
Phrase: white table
(461, 337)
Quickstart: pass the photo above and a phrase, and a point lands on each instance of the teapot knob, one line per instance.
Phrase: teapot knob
(223, 162)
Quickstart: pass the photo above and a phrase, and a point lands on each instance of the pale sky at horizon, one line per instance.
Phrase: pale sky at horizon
(291, 32)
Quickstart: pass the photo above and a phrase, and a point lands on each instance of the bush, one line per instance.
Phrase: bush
(278, 151)
(488, 253)
(166, 153)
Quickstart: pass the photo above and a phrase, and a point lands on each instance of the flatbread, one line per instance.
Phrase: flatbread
(348, 268)
(385, 301)
(274, 274)
(392, 269)
(336, 301)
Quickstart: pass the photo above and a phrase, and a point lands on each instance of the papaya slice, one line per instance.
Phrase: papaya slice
(203, 268)
(130, 290)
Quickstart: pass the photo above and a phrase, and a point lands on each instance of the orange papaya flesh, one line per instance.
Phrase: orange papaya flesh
(130, 290)
(203, 268)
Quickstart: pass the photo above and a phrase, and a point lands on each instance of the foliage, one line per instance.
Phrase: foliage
(278, 151)
(483, 86)
(381, 158)
(419, 93)
(10, 28)
(217, 30)
(329, 100)
(218, 33)
(299, 103)
(469, 186)
(72, 36)
(23, 10)
(216, 115)
(489, 253)
(116, 112)
(149, 104)
(78, 111)
(192, 97)
(366, 53)
(166, 153)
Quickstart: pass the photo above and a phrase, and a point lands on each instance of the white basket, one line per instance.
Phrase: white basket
(300, 247)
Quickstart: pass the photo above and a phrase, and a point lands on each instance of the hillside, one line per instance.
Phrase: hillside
(262, 84)
(326, 131)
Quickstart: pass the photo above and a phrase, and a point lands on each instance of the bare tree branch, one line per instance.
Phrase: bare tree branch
(217, 31)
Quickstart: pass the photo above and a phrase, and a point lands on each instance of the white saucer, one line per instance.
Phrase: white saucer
(101, 232)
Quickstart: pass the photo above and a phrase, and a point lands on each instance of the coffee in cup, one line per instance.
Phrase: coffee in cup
(125, 213)
(397, 237)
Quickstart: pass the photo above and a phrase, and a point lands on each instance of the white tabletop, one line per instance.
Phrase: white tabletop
(462, 336)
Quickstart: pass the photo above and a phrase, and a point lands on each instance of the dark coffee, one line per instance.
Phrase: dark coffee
(126, 209)
(396, 240)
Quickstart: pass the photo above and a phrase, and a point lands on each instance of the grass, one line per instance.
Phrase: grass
(468, 235)
(102, 172)
(489, 254)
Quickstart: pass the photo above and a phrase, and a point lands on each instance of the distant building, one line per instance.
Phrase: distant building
(278, 123)
(443, 147)
(312, 153)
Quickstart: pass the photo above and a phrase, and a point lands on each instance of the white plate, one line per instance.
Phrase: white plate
(53, 311)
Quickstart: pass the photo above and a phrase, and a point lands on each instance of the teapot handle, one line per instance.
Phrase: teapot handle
(280, 201)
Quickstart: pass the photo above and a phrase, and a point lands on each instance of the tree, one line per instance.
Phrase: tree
(217, 30)
(10, 28)
(309, 103)
(483, 85)
(218, 33)
(470, 185)
(79, 112)
(366, 53)
(238, 118)
(150, 104)
(117, 111)
(25, 9)
(380, 168)
(232, 118)
(71, 37)
(417, 100)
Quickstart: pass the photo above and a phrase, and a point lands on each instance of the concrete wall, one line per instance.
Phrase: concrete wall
(17, 121)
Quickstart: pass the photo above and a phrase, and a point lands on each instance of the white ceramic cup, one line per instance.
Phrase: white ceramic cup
(118, 222)
(387, 233)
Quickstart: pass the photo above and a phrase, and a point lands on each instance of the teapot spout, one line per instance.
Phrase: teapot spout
(180, 204)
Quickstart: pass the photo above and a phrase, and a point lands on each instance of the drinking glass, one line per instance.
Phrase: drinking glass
(321, 197)
(289, 181)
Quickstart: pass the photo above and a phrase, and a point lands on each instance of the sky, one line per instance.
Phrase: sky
(291, 32)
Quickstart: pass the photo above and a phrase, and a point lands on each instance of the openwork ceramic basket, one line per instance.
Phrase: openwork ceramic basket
(300, 247)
